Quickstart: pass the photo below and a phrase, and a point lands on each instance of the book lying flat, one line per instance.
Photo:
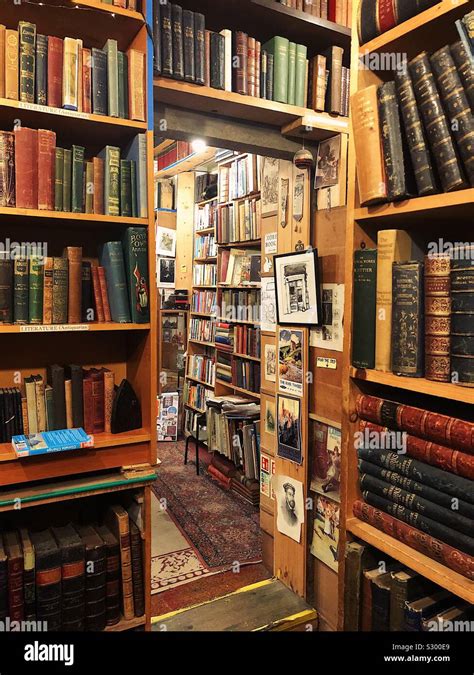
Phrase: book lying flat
(51, 441)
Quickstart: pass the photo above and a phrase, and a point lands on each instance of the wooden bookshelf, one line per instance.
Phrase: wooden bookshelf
(127, 624)
(72, 327)
(189, 163)
(83, 219)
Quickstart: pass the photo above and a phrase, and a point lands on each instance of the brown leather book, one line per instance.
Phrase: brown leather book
(87, 402)
(26, 168)
(74, 257)
(104, 293)
(207, 58)
(438, 318)
(240, 70)
(463, 63)
(15, 576)
(137, 570)
(258, 56)
(48, 291)
(334, 64)
(80, 77)
(118, 521)
(109, 382)
(98, 400)
(68, 395)
(318, 82)
(55, 71)
(99, 307)
(112, 575)
(136, 85)
(60, 290)
(11, 64)
(2, 61)
(86, 80)
(7, 172)
(46, 169)
(251, 68)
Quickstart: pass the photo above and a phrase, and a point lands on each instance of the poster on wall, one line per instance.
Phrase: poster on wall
(331, 334)
(270, 172)
(325, 542)
(268, 305)
(289, 428)
(165, 272)
(290, 506)
(267, 470)
(327, 163)
(325, 442)
(271, 242)
(167, 417)
(270, 362)
(290, 361)
(165, 241)
(297, 288)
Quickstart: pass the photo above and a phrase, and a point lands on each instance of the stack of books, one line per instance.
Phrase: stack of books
(223, 366)
(201, 368)
(224, 336)
(203, 302)
(202, 330)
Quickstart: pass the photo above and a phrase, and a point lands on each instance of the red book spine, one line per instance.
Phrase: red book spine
(46, 169)
(87, 401)
(420, 541)
(26, 168)
(387, 15)
(104, 293)
(86, 80)
(99, 307)
(98, 403)
(15, 589)
(55, 71)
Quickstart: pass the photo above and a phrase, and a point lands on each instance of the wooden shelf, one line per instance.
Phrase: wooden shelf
(316, 126)
(453, 206)
(206, 230)
(203, 202)
(251, 195)
(246, 356)
(72, 327)
(201, 342)
(7, 213)
(211, 259)
(247, 287)
(203, 286)
(447, 390)
(205, 314)
(229, 385)
(418, 562)
(189, 163)
(209, 385)
(251, 323)
(125, 624)
(241, 244)
(191, 407)
(164, 145)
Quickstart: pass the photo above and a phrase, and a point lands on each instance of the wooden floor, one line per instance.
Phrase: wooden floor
(264, 606)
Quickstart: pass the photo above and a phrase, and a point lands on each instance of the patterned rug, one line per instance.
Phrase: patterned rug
(222, 527)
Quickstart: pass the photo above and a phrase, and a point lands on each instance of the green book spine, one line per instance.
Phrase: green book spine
(111, 258)
(77, 182)
(279, 48)
(60, 290)
(300, 75)
(133, 188)
(122, 85)
(67, 180)
(135, 247)
(125, 188)
(365, 284)
(58, 180)
(291, 73)
(35, 290)
(27, 42)
(6, 288)
(111, 157)
(20, 290)
(89, 188)
(111, 52)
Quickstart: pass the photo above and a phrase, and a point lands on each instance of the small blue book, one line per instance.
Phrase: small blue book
(51, 441)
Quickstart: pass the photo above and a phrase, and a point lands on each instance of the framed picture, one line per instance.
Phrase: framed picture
(325, 443)
(289, 428)
(327, 164)
(325, 543)
(290, 361)
(268, 305)
(290, 505)
(165, 271)
(297, 288)
(269, 362)
(268, 421)
(165, 241)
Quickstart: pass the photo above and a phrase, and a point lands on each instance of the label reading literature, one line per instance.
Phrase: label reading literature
(54, 328)
(53, 111)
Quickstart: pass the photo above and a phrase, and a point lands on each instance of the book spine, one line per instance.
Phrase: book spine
(251, 66)
(300, 75)
(188, 46)
(68, 396)
(395, 169)
(89, 187)
(133, 188)
(6, 289)
(48, 291)
(136, 85)
(110, 50)
(77, 180)
(70, 74)
(104, 293)
(99, 307)
(87, 80)
(270, 75)
(280, 69)
(136, 262)
(112, 259)
(365, 277)
(199, 47)
(46, 169)
(437, 318)
(87, 312)
(41, 70)
(67, 179)
(407, 319)
(125, 188)
(166, 40)
(20, 291)
(137, 570)
(217, 65)
(126, 566)
(463, 61)
(27, 43)
(7, 169)
(112, 181)
(99, 82)
(108, 400)
(157, 38)
(291, 73)
(55, 71)
(11, 64)
(98, 172)
(60, 290)
(26, 168)
(462, 331)
(58, 179)
(98, 420)
(263, 74)
(207, 58)
(35, 291)
(87, 405)
(74, 261)
(335, 80)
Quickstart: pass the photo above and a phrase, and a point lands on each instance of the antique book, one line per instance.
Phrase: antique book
(58, 178)
(86, 80)
(72, 577)
(87, 297)
(60, 290)
(125, 188)
(111, 156)
(75, 374)
(334, 57)
(270, 75)
(392, 246)
(300, 75)
(55, 378)
(381, 592)
(11, 64)
(67, 178)
(20, 290)
(217, 61)
(70, 79)
(15, 563)
(2, 61)
(240, 62)
(68, 397)
(278, 47)
(118, 521)
(95, 577)
(98, 191)
(199, 47)
(227, 58)
(27, 58)
(462, 317)
(317, 82)
(406, 587)
(98, 302)
(104, 294)
(6, 288)
(137, 569)
(437, 317)
(112, 259)
(7, 168)
(48, 579)
(291, 73)
(73, 254)
(135, 248)
(364, 308)
(263, 73)
(26, 167)
(156, 38)
(41, 69)
(357, 558)
(77, 179)
(177, 41)
(99, 82)
(207, 58)
(166, 39)
(464, 67)
(251, 66)
(40, 403)
(367, 138)
(48, 290)
(30, 390)
(188, 45)
(88, 187)
(109, 393)
(46, 169)
(35, 290)
(136, 85)
(112, 575)
(136, 151)
(407, 319)
(421, 609)
(110, 50)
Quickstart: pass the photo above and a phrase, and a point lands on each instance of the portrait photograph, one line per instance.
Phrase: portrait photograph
(289, 428)
(297, 288)
(290, 506)
(325, 444)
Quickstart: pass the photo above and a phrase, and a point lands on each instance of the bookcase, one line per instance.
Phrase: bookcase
(128, 349)
(447, 215)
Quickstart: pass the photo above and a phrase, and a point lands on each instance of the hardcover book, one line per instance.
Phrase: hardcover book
(407, 319)
(365, 275)
(135, 246)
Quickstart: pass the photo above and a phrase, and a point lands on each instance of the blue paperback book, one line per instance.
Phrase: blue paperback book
(51, 441)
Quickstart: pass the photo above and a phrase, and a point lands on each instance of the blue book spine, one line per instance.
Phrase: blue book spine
(111, 258)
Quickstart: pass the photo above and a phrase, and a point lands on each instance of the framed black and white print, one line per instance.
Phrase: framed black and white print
(297, 288)
(165, 272)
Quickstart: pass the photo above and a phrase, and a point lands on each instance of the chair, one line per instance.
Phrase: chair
(195, 436)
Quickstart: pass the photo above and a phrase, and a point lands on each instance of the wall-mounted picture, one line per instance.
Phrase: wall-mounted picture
(268, 314)
(268, 421)
(290, 361)
(297, 288)
(165, 241)
(290, 506)
(325, 543)
(269, 362)
(325, 444)
(327, 164)
(270, 186)
(165, 271)
(289, 428)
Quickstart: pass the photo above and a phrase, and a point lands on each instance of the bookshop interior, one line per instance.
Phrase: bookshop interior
(237, 315)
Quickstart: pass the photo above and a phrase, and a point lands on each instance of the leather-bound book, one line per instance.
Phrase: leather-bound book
(40, 403)
(48, 283)
(199, 47)
(95, 578)
(29, 585)
(437, 317)
(462, 318)
(381, 590)
(72, 577)
(89, 187)
(16, 607)
(352, 583)
(30, 391)
(334, 57)
(415, 136)
(6, 288)
(48, 579)
(118, 521)
(136, 85)
(363, 317)
(110, 50)
(207, 58)
(426, 608)
(77, 179)
(3, 581)
(70, 80)
(98, 400)
(98, 171)
(87, 295)
(7, 168)
(392, 246)
(73, 256)
(60, 290)
(124, 88)
(188, 46)
(464, 67)
(251, 71)
(11, 64)
(35, 290)
(76, 375)
(368, 145)
(27, 44)
(99, 306)
(125, 188)
(20, 290)
(406, 587)
(26, 168)
(55, 378)
(111, 156)
(157, 38)
(240, 63)
(86, 80)
(80, 74)
(67, 178)
(68, 395)
(407, 319)
(456, 106)
(87, 402)
(135, 247)
(137, 570)
(367, 21)
(109, 392)
(41, 70)
(436, 124)
(58, 178)
(166, 39)
(217, 60)
(112, 575)
(111, 257)
(270, 74)
(104, 294)
(397, 168)
(301, 84)
(55, 71)
(99, 82)
(177, 41)
(46, 169)
(263, 74)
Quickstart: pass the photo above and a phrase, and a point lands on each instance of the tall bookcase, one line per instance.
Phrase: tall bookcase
(126, 349)
(441, 215)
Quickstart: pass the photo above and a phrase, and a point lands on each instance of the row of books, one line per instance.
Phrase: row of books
(195, 395)
(62, 73)
(174, 153)
(205, 274)
(228, 476)
(240, 178)
(205, 246)
(205, 185)
(391, 597)
(35, 174)
(413, 466)
(206, 216)
(339, 11)
(224, 365)
(246, 374)
(240, 267)
(74, 577)
(428, 106)
(203, 302)
(241, 305)
(247, 341)
(202, 330)
(201, 368)
(414, 318)
(239, 221)
(375, 18)
(224, 336)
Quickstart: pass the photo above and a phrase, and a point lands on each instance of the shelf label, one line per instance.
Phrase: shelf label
(324, 362)
(53, 111)
(54, 328)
